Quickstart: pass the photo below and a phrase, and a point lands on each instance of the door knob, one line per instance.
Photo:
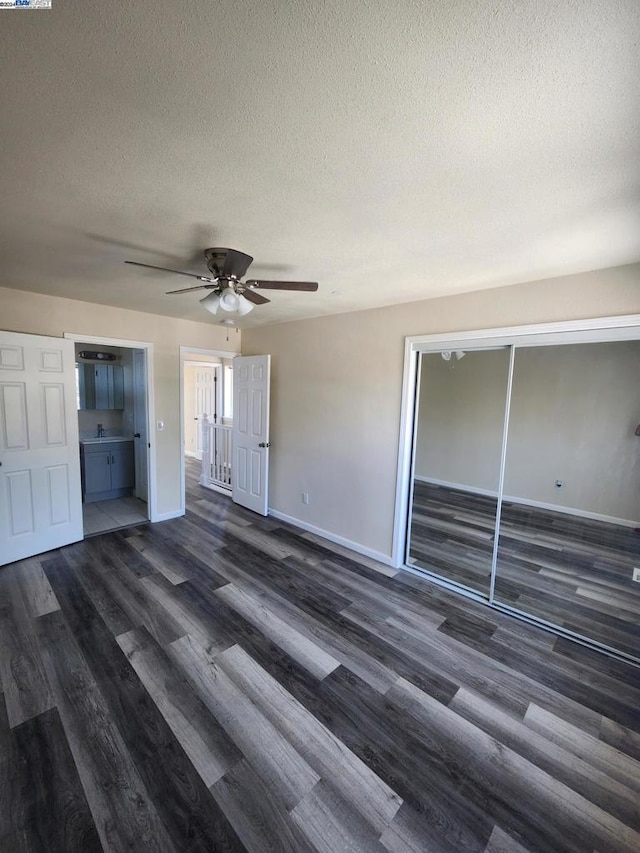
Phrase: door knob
(265, 444)
(136, 435)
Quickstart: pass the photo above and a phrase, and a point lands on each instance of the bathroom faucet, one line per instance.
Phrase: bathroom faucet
(100, 431)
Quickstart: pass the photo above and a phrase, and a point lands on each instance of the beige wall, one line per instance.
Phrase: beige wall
(574, 410)
(48, 315)
(337, 386)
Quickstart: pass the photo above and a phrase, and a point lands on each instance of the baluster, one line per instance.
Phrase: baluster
(205, 472)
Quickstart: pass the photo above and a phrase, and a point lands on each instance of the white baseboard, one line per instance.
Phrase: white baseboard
(166, 516)
(339, 540)
(566, 510)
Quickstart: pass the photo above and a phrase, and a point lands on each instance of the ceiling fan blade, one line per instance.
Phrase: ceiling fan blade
(188, 289)
(236, 263)
(166, 269)
(310, 286)
(254, 296)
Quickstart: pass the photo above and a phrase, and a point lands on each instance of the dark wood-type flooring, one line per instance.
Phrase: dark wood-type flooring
(224, 682)
(574, 572)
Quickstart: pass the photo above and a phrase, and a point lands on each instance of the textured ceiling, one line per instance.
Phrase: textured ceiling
(389, 150)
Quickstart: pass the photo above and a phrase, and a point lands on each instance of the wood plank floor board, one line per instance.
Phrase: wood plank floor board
(226, 682)
(162, 559)
(411, 660)
(588, 688)
(209, 748)
(172, 783)
(36, 590)
(502, 842)
(371, 797)
(489, 676)
(283, 770)
(329, 824)
(581, 826)
(91, 579)
(620, 800)
(364, 720)
(259, 818)
(411, 832)
(22, 676)
(187, 614)
(591, 749)
(308, 654)
(120, 804)
(42, 802)
(328, 639)
(137, 603)
(620, 738)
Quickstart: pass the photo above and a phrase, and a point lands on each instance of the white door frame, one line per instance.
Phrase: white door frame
(184, 350)
(152, 502)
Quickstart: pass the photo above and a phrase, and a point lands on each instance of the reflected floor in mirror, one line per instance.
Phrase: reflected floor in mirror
(572, 571)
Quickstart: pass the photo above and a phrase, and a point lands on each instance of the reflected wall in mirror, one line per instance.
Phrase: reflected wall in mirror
(568, 536)
(458, 446)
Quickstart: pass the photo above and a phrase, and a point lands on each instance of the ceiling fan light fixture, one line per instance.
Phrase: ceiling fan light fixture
(227, 302)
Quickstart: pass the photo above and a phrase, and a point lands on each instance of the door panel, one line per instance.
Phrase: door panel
(13, 398)
(250, 472)
(54, 414)
(40, 498)
(20, 503)
(97, 472)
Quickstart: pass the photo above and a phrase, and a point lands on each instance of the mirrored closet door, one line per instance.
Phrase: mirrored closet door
(525, 477)
(568, 540)
(458, 445)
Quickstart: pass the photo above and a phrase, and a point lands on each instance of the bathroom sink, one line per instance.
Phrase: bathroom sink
(104, 439)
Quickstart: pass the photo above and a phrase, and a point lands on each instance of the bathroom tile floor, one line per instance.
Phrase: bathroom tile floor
(101, 516)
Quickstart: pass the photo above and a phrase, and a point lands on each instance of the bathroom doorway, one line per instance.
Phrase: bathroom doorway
(113, 404)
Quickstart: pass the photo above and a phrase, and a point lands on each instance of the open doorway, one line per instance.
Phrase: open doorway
(112, 396)
(207, 417)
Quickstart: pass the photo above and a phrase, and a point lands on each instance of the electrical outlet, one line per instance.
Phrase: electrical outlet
(636, 574)
(305, 497)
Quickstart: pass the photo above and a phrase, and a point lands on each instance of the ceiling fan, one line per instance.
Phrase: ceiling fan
(229, 295)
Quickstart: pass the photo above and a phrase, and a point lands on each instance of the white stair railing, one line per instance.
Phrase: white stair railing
(216, 455)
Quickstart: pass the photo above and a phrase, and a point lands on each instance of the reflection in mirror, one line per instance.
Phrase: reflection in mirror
(569, 537)
(458, 446)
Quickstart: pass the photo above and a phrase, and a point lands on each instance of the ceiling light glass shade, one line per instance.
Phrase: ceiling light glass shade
(211, 302)
(244, 306)
(229, 300)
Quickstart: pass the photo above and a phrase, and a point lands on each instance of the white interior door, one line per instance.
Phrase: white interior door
(250, 468)
(40, 496)
(141, 440)
(205, 384)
